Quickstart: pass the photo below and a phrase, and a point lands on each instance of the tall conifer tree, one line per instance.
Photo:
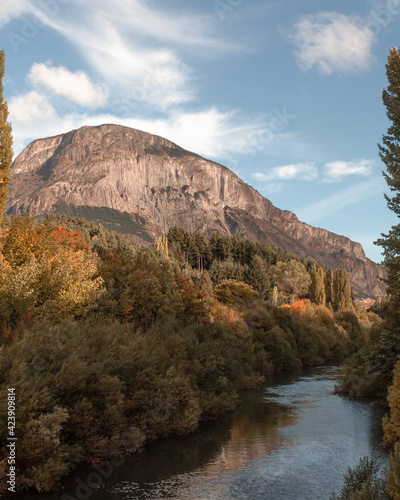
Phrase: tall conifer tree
(258, 277)
(317, 287)
(6, 152)
(313, 276)
(389, 152)
(320, 294)
(329, 287)
(342, 291)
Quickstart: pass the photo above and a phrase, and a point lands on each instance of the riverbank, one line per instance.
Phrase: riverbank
(285, 441)
(94, 387)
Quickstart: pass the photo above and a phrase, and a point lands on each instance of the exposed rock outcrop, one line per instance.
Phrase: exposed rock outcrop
(165, 185)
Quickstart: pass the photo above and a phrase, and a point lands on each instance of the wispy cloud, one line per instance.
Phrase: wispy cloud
(177, 27)
(157, 76)
(12, 9)
(75, 86)
(333, 42)
(32, 116)
(300, 171)
(337, 170)
(321, 210)
(209, 132)
(140, 48)
(30, 109)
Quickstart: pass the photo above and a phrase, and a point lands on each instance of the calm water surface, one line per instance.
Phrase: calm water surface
(292, 440)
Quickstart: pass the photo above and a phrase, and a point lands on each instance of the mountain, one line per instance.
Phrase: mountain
(143, 184)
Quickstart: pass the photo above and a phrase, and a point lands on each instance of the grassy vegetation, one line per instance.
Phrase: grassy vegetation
(120, 222)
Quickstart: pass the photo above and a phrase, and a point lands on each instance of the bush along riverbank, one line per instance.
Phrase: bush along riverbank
(109, 345)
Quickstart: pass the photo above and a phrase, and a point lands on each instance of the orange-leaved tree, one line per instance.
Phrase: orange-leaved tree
(51, 270)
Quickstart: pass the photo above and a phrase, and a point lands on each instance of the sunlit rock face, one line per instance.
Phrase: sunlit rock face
(154, 179)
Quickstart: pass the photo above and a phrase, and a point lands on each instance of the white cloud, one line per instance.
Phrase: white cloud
(179, 27)
(210, 132)
(333, 42)
(75, 86)
(300, 171)
(10, 9)
(30, 108)
(321, 210)
(155, 76)
(32, 116)
(338, 170)
(135, 46)
(334, 171)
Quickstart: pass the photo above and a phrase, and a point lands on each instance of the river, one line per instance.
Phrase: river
(294, 439)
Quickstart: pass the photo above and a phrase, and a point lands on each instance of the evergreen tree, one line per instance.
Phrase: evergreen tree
(320, 294)
(239, 249)
(227, 270)
(220, 246)
(312, 272)
(390, 155)
(6, 152)
(317, 287)
(329, 287)
(342, 300)
(205, 284)
(257, 276)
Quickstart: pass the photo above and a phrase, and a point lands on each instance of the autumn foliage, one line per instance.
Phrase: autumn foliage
(47, 270)
(110, 344)
(231, 291)
(305, 307)
(193, 300)
(298, 307)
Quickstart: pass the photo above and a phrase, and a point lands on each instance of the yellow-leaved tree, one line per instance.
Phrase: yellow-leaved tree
(46, 270)
(6, 151)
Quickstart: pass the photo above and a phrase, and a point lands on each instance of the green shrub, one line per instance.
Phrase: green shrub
(363, 483)
(393, 473)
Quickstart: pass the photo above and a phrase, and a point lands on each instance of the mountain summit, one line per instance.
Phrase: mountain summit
(110, 169)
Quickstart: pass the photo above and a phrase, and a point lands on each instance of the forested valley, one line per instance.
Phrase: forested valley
(110, 344)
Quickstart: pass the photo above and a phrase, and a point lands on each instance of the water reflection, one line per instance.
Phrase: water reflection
(292, 440)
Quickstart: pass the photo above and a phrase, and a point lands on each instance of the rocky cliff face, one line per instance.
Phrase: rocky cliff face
(164, 185)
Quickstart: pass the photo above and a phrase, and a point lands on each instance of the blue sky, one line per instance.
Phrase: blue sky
(286, 94)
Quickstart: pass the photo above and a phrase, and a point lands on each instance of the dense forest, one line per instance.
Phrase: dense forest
(110, 344)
